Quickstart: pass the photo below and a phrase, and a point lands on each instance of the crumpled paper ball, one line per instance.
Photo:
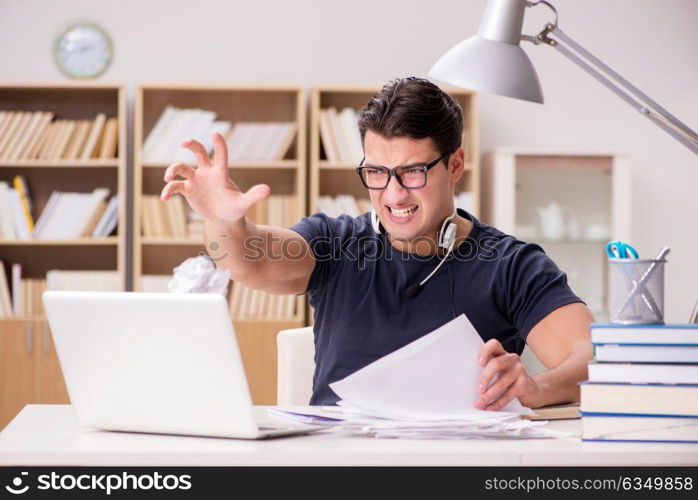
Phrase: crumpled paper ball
(199, 275)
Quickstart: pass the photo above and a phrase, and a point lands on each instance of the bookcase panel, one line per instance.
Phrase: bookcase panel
(67, 102)
(36, 260)
(159, 255)
(344, 181)
(162, 259)
(350, 99)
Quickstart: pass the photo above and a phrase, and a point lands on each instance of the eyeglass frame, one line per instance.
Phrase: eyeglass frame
(393, 172)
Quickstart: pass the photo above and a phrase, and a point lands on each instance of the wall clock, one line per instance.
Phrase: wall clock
(83, 50)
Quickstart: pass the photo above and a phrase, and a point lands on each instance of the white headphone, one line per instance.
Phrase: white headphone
(446, 240)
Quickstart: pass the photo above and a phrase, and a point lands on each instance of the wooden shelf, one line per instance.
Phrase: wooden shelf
(159, 255)
(29, 368)
(324, 164)
(69, 101)
(111, 163)
(109, 240)
(171, 240)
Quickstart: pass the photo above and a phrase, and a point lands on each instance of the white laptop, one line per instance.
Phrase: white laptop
(156, 362)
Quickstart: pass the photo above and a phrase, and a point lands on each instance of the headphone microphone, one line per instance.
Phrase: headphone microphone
(446, 240)
(413, 290)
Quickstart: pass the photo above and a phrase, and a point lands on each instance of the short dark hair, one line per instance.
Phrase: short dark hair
(415, 108)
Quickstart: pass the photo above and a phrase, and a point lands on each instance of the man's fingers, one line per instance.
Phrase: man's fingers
(503, 400)
(494, 366)
(255, 194)
(490, 349)
(178, 169)
(172, 188)
(500, 386)
(220, 151)
(199, 151)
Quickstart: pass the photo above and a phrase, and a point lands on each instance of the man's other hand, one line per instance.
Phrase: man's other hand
(503, 378)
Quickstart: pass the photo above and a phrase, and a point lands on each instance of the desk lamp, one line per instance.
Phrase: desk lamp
(493, 62)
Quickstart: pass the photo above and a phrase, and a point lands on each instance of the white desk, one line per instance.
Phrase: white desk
(49, 435)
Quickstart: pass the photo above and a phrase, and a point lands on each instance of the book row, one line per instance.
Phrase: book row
(174, 218)
(249, 303)
(24, 298)
(66, 214)
(340, 135)
(247, 141)
(38, 135)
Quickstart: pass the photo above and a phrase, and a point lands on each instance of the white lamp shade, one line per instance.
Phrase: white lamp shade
(489, 66)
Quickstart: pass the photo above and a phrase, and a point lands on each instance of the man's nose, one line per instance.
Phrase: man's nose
(394, 192)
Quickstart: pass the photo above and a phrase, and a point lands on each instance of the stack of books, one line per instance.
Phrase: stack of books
(66, 215)
(247, 141)
(340, 136)
(35, 135)
(164, 219)
(174, 218)
(24, 298)
(249, 303)
(279, 210)
(643, 384)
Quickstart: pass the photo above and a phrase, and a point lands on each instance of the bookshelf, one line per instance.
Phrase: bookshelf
(333, 178)
(158, 254)
(30, 371)
(591, 191)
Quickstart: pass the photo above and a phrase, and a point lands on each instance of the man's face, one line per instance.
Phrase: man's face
(407, 214)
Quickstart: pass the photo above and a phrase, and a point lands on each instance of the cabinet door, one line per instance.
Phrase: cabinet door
(51, 386)
(18, 381)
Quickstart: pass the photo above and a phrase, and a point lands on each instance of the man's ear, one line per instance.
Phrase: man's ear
(456, 165)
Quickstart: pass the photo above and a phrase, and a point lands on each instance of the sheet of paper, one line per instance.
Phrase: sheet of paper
(435, 375)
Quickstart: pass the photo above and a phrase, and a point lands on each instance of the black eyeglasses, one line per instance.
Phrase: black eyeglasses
(409, 176)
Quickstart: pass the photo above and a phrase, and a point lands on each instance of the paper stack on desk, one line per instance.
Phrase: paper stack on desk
(423, 390)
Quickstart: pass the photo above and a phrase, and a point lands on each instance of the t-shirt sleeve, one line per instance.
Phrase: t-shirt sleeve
(325, 236)
(534, 287)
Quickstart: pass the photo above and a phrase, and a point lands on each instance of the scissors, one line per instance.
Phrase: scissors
(620, 250)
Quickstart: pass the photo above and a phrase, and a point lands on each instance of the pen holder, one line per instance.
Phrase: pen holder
(636, 291)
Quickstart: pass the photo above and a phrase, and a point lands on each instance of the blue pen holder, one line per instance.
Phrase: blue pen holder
(636, 291)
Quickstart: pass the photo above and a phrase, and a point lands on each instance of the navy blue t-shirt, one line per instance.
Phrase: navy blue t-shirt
(357, 288)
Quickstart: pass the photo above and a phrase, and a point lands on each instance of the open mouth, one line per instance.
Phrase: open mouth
(403, 212)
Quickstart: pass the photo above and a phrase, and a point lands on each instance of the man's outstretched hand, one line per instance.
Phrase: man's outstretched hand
(208, 188)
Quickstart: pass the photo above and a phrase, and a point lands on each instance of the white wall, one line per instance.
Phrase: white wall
(653, 43)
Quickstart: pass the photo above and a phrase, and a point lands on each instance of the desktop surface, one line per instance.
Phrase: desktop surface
(50, 435)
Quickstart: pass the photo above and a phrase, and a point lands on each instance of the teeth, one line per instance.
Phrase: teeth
(404, 212)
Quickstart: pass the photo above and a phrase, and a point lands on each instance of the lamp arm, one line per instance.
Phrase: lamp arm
(617, 84)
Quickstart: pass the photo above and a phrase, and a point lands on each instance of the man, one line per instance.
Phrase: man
(358, 279)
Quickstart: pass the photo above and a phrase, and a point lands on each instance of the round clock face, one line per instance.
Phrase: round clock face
(83, 50)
